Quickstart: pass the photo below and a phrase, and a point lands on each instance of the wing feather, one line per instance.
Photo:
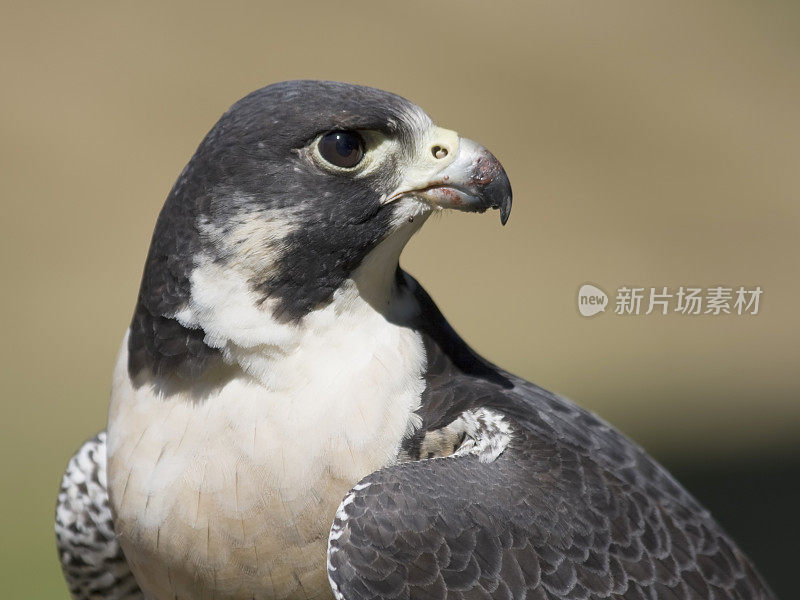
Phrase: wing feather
(558, 525)
(92, 561)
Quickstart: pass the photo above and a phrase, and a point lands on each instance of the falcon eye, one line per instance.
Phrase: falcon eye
(343, 149)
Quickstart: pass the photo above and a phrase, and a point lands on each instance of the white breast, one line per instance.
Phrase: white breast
(230, 491)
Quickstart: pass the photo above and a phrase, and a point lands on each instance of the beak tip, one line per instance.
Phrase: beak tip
(505, 210)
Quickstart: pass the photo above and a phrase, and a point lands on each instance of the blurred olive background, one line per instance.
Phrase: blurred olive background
(651, 145)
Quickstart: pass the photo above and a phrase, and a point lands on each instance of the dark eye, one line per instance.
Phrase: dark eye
(344, 149)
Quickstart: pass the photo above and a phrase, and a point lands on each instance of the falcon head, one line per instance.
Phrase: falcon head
(296, 186)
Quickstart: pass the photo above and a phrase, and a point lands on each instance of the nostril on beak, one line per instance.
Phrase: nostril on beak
(439, 152)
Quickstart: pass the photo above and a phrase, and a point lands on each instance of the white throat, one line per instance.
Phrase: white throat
(241, 325)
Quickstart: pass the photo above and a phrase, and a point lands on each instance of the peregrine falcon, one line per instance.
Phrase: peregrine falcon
(292, 417)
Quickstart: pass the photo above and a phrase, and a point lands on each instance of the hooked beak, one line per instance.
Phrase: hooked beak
(472, 180)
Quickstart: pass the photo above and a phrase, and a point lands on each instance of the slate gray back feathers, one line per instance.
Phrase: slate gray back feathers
(571, 510)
